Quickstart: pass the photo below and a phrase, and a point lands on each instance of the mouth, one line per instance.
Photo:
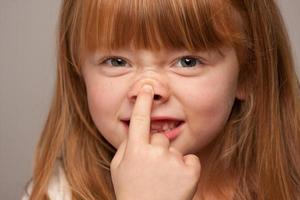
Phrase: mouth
(169, 127)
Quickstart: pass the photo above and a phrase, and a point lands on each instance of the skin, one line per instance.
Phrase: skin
(202, 96)
(155, 157)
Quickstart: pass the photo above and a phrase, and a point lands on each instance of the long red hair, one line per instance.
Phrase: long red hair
(260, 144)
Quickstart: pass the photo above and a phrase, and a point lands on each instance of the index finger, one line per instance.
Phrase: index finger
(139, 128)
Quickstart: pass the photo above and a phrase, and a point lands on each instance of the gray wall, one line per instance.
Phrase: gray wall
(27, 73)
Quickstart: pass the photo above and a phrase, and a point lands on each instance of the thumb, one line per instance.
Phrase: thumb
(118, 155)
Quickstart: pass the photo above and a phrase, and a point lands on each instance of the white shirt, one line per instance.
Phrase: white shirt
(58, 188)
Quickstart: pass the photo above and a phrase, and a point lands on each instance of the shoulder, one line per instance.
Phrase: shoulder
(58, 188)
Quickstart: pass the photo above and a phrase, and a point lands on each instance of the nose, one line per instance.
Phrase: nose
(161, 90)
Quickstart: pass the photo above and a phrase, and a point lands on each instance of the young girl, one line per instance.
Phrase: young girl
(171, 99)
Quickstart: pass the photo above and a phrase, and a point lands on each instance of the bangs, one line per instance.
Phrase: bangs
(155, 24)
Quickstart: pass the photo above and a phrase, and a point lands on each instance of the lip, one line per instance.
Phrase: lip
(171, 135)
(157, 118)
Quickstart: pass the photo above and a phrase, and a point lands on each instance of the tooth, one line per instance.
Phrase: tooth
(162, 127)
(165, 127)
(167, 130)
(154, 131)
(172, 125)
(155, 126)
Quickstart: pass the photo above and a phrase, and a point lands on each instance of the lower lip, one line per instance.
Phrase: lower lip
(171, 135)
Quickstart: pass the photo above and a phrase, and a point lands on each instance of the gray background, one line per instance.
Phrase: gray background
(27, 74)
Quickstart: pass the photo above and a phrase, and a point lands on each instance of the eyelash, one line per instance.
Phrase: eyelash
(199, 61)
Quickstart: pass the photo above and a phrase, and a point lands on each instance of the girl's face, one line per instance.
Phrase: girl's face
(197, 88)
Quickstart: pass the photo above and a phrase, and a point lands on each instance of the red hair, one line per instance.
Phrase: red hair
(260, 143)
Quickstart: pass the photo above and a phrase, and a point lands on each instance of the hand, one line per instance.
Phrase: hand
(145, 167)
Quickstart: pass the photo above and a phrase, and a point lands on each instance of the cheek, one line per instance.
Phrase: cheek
(214, 100)
(208, 103)
(207, 107)
(213, 109)
(104, 100)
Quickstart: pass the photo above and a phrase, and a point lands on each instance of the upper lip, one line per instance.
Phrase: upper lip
(157, 118)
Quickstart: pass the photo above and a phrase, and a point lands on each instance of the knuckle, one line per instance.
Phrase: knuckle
(133, 151)
(175, 152)
(159, 136)
(113, 165)
(159, 151)
(194, 167)
(158, 139)
(177, 162)
(163, 137)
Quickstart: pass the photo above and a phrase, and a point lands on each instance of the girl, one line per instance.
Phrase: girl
(171, 99)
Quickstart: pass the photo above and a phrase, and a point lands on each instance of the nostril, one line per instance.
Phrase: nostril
(157, 97)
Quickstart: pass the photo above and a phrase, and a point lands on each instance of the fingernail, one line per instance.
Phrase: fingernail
(147, 88)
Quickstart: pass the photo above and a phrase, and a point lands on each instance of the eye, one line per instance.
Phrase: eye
(189, 62)
(115, 62)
